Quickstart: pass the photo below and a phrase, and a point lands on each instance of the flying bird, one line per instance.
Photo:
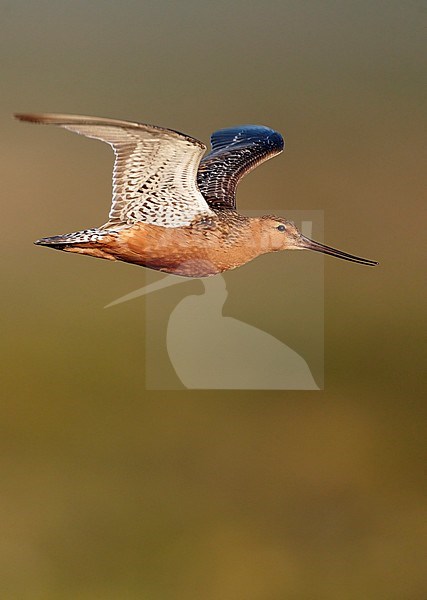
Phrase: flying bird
(173, 210)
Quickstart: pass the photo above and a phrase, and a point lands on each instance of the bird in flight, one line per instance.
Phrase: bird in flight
(173, 210)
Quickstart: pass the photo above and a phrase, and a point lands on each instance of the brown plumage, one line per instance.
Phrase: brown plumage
(174, 211)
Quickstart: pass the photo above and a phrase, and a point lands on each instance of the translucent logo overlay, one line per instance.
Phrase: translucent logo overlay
(257, 327)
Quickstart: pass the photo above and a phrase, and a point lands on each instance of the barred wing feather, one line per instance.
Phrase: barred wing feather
(155, 169)
(235, 152)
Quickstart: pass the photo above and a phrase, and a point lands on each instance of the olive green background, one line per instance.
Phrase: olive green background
(110, 491)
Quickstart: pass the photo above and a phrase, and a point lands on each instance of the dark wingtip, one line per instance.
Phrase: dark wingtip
(35, 118)
(31, 118)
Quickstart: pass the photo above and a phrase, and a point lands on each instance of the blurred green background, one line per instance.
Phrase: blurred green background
(110, 491)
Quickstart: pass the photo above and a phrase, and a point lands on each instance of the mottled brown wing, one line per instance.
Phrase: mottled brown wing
(235, 152)
(154, 176)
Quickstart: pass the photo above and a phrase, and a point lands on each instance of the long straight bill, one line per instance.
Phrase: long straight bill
(318, 247)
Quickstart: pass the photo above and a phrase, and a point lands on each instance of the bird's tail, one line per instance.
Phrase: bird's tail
(87, 236)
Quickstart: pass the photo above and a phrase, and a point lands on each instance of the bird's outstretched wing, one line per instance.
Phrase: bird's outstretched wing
(235, 152)
(154, 176)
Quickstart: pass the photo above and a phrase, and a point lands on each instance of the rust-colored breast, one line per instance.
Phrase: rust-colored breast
(205, 248)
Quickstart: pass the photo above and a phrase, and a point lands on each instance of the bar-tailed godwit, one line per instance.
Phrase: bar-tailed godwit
(173, 210)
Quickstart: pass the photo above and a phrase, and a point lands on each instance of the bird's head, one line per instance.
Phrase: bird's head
(277, 233)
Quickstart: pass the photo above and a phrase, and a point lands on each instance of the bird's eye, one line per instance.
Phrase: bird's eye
(281, 228)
